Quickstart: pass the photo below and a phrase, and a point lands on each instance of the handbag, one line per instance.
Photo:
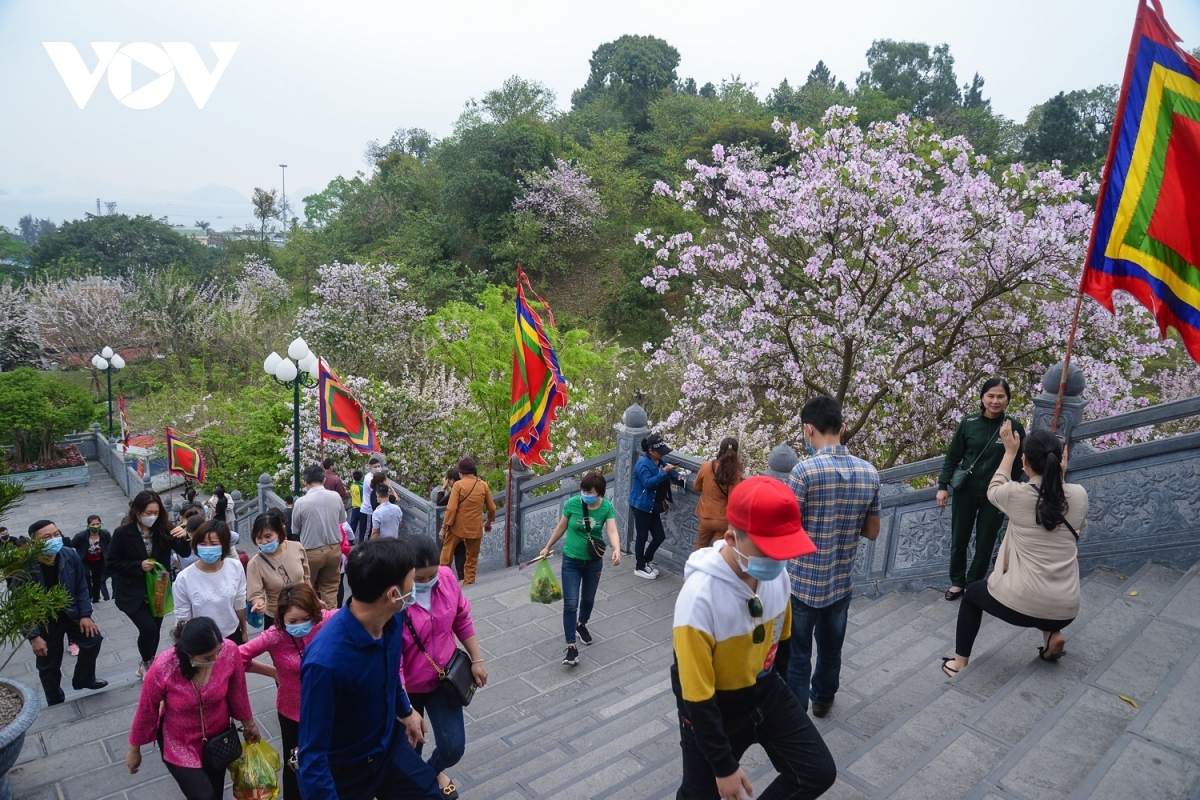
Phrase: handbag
(596, 547)
(960, 475)
(221, 750)
(458, 682)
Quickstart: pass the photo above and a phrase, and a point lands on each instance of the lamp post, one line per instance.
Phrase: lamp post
(108, 362)
(298, 369)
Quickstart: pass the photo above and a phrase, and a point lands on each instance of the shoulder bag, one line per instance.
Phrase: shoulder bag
(960, 475)
(458, 682)
(596, 547)
(221, 750)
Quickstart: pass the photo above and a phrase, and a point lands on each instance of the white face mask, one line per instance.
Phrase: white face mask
(148, 520)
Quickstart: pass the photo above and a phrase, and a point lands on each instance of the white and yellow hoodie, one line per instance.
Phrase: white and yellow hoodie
(716, 660)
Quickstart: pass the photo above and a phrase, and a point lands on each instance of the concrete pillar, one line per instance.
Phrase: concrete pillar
(633, 427)
(515, 535)
(1073, 404)
(264, 485)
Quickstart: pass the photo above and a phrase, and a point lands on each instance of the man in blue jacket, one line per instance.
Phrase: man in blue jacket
(61, 566)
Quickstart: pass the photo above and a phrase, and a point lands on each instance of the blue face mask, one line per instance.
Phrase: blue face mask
(209, 553)
(53, 546)
(809, 447)
(421, 588)
(270, 547)
(300, 629)
(589, 498)
(760, 567)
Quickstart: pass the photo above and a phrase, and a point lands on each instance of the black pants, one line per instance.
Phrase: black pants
(399, 774)
(647, 523)
(289, 732)
(969, 512)
(149, 628)
(341, 598)
(460, 560)
(775, 720)
(196, 783)
(970, 616)
(95, 578)
(49, 666)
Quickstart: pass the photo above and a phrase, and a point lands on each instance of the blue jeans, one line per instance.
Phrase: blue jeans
(828, 626)
(578, 574)
(449, 731)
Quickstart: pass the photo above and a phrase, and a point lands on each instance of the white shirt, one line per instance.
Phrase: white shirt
(387, 519)
(368, 501)
(219, 595)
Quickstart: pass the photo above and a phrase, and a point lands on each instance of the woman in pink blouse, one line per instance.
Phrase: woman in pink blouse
(298, 617)
(199, 685)
(439, 613)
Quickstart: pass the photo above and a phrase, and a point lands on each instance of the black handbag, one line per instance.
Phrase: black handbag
(458, 682)
(596, 547)
(221, 750)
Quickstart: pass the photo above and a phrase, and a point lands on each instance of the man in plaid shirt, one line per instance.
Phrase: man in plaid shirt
(839, 503)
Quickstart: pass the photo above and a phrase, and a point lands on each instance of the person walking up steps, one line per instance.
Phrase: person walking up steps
(732, 623)
(649, 497)
(317, 519)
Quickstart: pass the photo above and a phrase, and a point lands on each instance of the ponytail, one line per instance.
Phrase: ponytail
(1044, 452)
(728, 466)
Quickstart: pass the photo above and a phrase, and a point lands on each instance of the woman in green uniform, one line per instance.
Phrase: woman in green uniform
(975, 453)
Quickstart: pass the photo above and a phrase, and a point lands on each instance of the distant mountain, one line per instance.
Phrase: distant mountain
(214, 193)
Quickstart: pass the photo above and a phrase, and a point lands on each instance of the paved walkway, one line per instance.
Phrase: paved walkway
(1011, 727)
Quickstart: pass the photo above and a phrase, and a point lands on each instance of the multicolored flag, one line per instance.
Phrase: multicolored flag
(538, 386)
(124, 424)
(183, 459)
(343, 417)
(1146, 238)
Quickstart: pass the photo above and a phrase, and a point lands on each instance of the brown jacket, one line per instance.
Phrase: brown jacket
(464, 511)
(713, 496)
(265, 575)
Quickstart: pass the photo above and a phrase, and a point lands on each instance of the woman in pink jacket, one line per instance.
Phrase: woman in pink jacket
(199, 685)
(298, 617)
(438, 615)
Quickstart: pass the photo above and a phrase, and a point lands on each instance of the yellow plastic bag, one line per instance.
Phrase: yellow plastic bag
(256, 774)
(545, 588)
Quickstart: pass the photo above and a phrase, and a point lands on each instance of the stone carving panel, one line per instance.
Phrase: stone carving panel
(536, 526)
(922, 538)
(1151, 500)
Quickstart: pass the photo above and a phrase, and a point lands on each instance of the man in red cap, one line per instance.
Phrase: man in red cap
(733, 619)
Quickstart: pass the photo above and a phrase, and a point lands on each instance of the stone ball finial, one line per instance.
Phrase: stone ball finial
(1075, 380)
(265, 480)
(782, 459)
(236, 495)
(635, 417)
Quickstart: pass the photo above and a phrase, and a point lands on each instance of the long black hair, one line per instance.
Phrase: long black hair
(222, 503)
(162, 526)
(1044, 452)
(193, 637)
(992, 383)
(729, 466)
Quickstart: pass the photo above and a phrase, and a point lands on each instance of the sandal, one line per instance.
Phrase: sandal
(948, 670)
(450, 792)
(1046, 654)
(953, 595)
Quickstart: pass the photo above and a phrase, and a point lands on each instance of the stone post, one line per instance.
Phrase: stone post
(515, 533)
(264, 485)
(1073, 403)
(633, 427)
(780, 462)
(236, 498)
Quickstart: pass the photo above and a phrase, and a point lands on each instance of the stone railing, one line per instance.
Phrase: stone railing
(121, 466)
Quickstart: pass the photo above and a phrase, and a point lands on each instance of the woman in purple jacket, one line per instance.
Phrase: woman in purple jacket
(438, 615)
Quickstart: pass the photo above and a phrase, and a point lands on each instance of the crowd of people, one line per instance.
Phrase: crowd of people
(759, 624)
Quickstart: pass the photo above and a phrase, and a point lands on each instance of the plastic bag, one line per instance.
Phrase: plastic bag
(158, 591)
(256, 774)
(545, 588)
(253, 618)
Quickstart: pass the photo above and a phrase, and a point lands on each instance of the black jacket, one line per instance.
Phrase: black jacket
(72, 577)
(80, 542)
(125, 555)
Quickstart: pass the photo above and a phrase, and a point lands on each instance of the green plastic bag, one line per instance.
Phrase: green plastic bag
(158, 591)
(255, 775)
(545, 588)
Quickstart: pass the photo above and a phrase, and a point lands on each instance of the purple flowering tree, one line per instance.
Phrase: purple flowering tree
(887, 268)
(562, 201)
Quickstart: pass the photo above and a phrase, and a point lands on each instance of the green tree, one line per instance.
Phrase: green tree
(246, 443)
(910, 71)
(36, 410)
(115, 245)
(636, 69)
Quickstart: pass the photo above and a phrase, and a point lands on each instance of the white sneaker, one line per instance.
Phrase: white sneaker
(652, 567)
(645, 573)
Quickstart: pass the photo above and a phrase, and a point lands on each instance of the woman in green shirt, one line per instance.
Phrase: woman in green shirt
(586, 519)
(975, 453)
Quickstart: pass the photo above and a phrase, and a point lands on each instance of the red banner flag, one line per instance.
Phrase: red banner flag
(538, 386)
(342, 416)
(183, 459)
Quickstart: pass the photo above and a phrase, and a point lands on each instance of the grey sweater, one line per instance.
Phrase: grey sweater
(317, 517)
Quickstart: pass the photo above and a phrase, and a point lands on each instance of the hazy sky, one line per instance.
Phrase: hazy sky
(312, 82)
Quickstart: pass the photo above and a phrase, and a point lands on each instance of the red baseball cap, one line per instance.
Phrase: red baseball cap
(768, 512)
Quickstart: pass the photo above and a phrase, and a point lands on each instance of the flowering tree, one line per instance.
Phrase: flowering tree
(562, 200)
(18, 331)
(887, 268)
(365, 321)
(79, 316)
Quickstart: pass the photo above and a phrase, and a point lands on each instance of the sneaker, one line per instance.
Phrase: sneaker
(74, 648)
(820, 710)
(585, 635)
(645, 573)
(571, 658)
(650, 565)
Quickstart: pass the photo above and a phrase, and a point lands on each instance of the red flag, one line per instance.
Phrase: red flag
(538, 386)
(343, 417)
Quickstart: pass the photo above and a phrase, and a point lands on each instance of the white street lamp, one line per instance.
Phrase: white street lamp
(108, 362)
(298, 369)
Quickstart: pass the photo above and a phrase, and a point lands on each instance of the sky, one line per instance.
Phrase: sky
(310, 83)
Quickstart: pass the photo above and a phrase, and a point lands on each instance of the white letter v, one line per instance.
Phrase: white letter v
(196, 77)
(80, 82)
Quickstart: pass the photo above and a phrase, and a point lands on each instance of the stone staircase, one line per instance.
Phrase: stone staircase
(1010, 726)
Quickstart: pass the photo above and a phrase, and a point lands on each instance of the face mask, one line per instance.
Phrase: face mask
(589, 498)
(300, 629)
(209, 553)
(93, 529)
(426, 587)
(53, 546)
(405, 600)
(760, 567)
(270, 547)
(148, 520)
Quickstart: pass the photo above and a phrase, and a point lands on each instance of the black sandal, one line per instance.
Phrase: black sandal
(949, 671)
(451, 791)
(1045, 654)
(953, 595)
